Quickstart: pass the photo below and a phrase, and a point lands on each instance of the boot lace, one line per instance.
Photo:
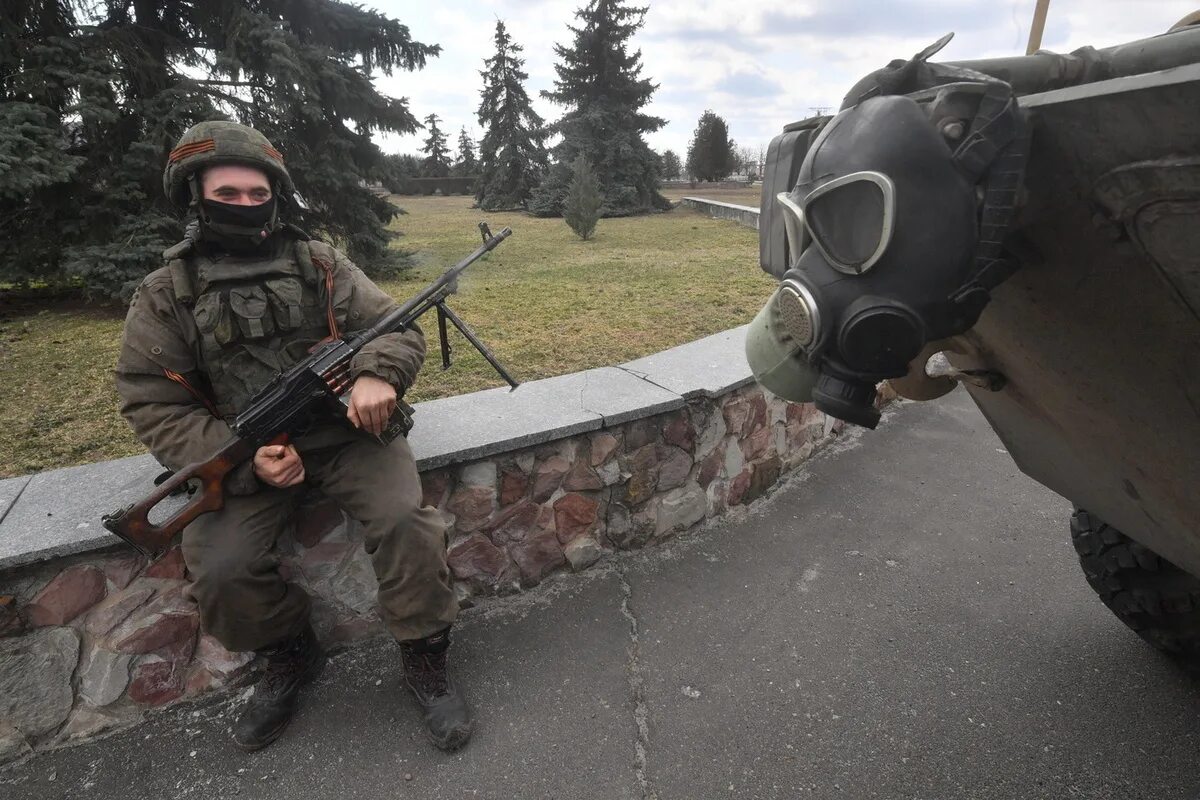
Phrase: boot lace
(276, 677)
(428, 672)
(284, 665)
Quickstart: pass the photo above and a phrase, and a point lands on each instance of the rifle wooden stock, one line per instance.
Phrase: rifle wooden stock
(133, 524)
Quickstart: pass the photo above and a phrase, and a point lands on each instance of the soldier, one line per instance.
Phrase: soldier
(242, 298)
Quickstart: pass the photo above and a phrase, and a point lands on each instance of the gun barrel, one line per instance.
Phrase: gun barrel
(1044, 71)
(429, 296)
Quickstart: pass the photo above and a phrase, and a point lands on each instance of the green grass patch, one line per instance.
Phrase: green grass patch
(56, 391)
(545, 301)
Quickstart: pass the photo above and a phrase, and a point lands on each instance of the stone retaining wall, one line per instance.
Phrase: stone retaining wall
(703, 185)
(743, 215)
(89, 642)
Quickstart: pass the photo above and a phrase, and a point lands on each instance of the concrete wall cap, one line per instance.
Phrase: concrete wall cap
(57, 513)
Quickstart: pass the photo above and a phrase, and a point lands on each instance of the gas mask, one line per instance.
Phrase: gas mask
(894, 229)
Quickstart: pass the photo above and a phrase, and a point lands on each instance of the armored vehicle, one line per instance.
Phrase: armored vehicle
(1028, 227)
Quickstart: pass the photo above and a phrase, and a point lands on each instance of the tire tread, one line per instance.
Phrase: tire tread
(1152, 596)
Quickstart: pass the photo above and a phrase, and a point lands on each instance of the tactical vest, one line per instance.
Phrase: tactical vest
(257, 316)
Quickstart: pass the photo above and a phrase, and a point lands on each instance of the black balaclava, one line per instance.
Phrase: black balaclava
(237, 228)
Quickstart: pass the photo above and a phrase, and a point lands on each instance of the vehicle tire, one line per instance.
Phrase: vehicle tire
(1156, 599)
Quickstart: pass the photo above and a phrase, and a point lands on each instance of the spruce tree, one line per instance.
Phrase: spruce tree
(512, 153)
(711, 155)
(94, 95)
(398, 168)
(437, 154)
(581, 209)
(465, 164)
(672, 168)
(600, 84)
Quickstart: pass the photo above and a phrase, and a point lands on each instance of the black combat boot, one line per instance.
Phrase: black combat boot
(447, 718)
(290, 665)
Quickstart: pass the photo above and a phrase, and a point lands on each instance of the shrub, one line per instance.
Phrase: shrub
(582, 208)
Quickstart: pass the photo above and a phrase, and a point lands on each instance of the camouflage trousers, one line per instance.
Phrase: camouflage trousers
(246, 604)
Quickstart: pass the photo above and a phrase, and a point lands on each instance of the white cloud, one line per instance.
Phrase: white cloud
(758, 63)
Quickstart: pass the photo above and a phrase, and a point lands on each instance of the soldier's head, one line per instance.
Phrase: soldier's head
(232, 180)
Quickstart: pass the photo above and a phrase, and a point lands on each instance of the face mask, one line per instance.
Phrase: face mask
(237, 228)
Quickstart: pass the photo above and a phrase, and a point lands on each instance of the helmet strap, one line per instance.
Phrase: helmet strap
(194, 189)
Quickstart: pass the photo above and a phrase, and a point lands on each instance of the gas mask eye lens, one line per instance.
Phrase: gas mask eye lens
(851, 220)
(794, 227)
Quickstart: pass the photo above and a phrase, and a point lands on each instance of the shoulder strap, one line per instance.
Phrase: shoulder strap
(181, 279)
(321, 257)
(185, 292)
(178, 250)
(181, 282)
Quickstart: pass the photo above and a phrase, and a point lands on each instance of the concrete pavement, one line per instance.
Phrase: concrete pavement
(904, 619)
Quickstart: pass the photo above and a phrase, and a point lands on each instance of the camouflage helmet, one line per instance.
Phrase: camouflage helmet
(208, 144)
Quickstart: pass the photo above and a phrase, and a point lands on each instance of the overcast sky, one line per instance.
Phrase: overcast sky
(758, 63)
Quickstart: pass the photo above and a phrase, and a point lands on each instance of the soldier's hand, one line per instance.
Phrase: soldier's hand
(372, 401)
(278, 465)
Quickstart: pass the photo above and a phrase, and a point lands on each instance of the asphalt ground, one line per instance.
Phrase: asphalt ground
(903, 619)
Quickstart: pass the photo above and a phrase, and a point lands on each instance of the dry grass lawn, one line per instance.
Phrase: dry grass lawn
(545, 301)
(743, 196)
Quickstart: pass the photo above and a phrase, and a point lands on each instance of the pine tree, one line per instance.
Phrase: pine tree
(672, 168)
(398, 168)
(600, 84)
(465, 163)
(711, 155)
(581, 209)
(512, 154)
(437, 154)
(94, 95)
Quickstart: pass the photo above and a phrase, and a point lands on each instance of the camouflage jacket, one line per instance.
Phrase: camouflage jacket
(164, 374)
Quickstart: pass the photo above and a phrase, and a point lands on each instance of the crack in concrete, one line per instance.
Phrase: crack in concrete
(641, 712)
(604, 420)
(13, 503)
(582, 391)
(583, 404)
(643, 376)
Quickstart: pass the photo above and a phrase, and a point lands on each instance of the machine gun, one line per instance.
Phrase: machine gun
(289, 403)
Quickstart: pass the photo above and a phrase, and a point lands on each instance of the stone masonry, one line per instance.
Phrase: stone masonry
(88, 643)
